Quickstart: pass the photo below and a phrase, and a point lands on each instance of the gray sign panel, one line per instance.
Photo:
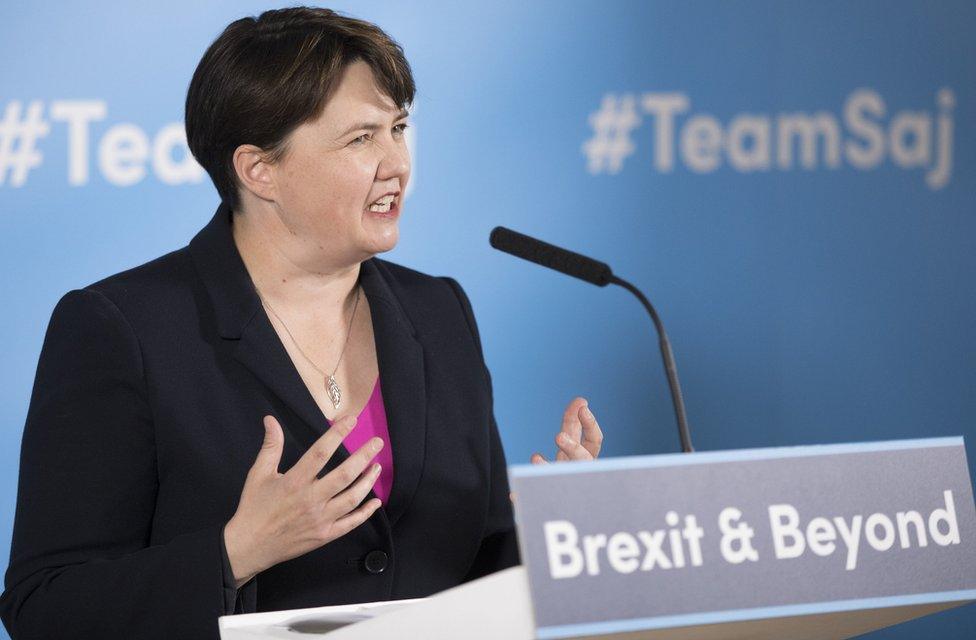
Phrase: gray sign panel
(657, 541)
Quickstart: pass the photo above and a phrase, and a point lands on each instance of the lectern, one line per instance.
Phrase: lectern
(813, 542)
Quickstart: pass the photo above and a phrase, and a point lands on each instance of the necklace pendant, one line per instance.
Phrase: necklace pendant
(335, 393)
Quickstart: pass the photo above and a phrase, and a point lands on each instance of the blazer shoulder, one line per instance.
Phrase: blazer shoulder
(149, 287)
(405, 277)
(417, 291)
(431, 300)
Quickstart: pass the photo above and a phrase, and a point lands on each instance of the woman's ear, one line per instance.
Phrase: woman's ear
(254, 171)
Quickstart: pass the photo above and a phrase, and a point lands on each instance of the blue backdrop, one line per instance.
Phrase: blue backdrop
(792, 183)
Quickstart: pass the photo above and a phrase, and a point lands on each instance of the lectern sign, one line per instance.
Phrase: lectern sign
(656, 542)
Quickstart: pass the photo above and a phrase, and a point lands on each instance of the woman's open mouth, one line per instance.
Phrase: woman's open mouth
(388, 205)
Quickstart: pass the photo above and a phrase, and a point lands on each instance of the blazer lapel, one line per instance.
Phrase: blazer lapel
(261, 351)
(401, 362)
(241, 320)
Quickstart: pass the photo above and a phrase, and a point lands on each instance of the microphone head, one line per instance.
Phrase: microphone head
(548, 255)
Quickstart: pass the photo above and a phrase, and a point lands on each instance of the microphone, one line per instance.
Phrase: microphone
(547, 255)
(598, 273)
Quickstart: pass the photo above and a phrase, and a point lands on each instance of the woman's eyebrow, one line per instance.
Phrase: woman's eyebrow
(372, 126)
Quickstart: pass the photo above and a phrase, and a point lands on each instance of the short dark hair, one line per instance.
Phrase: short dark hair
(265, 76)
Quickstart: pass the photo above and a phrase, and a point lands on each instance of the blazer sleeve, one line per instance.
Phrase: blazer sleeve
(499, 546)
(81, 563)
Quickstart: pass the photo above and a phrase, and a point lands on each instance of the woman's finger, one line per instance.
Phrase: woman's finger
(345, 524)
(344, 502)
(314, 460)
(571, 422)
(572, 448)
(592, 434)
(336, 481)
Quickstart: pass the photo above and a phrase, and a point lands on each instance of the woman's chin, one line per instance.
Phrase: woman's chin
(385, 240)
(382, 229)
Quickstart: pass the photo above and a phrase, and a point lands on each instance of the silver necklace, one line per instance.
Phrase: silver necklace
(331, 386)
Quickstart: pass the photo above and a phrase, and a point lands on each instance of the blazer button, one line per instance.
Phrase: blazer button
(376, 561)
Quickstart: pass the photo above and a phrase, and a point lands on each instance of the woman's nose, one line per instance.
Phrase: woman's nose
(395, 162)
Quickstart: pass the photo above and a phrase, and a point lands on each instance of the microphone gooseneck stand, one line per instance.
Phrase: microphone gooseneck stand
(598, 273)
(670, 369)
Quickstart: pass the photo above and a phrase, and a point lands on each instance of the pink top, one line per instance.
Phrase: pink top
(372, 422)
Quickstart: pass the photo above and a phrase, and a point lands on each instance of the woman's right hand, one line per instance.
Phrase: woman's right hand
(282, 516)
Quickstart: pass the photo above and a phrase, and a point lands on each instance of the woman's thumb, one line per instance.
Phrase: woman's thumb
(270, 454)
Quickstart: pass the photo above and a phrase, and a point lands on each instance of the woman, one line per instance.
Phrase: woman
(192, 446)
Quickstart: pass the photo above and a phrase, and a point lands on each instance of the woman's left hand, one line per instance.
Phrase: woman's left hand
(580, 437)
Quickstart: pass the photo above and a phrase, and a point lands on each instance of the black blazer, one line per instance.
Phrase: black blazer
(146, 416)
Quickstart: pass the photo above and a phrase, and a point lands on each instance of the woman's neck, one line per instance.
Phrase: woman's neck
(285, 276)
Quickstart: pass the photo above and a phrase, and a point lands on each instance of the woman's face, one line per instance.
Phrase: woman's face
(341, 180)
